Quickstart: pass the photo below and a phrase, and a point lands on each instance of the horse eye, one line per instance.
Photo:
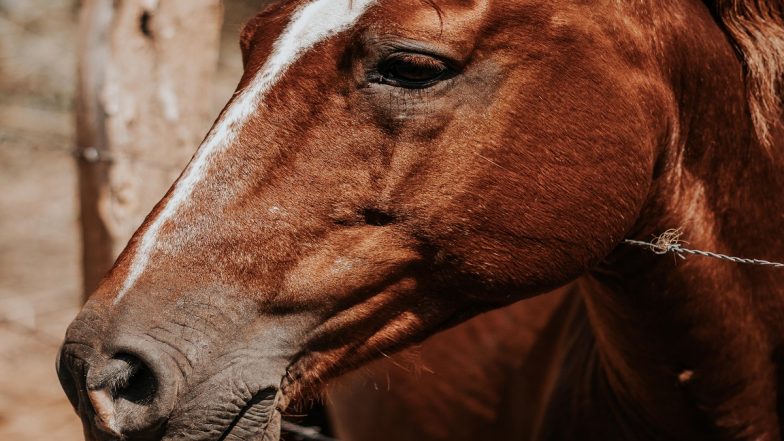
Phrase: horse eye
(412, 71)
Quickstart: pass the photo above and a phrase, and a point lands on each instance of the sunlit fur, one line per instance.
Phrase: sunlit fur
(757, 29)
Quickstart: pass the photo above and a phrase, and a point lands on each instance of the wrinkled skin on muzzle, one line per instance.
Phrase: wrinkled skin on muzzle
(386, 169)
(157, 371)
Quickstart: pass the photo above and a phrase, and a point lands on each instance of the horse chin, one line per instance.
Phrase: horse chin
(258, 420)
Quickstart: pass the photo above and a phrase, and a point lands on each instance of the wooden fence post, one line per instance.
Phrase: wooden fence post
(143, 104)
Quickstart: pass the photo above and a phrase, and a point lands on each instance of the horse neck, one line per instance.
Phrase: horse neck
(695, 346)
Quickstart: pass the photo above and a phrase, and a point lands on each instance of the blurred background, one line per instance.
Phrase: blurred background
(41, 272)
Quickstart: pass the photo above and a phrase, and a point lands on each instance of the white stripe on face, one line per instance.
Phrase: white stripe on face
(310, 24)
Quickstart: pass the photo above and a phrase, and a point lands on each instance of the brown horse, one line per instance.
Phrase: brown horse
(388, 169)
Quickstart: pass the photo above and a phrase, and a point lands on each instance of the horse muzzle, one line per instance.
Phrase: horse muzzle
(129, 392)
(140, 387)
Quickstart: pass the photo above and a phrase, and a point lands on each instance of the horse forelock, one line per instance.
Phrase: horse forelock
(312, 23)
(756, 28)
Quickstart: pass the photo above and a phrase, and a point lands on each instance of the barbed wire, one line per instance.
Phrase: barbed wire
(88, 154)
(669, 242)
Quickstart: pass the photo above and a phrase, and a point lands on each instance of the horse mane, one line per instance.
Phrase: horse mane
(756, 28)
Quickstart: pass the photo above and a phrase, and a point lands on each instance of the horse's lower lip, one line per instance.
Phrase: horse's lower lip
(259, 418)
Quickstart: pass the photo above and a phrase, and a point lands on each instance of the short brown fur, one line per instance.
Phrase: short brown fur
(354, 216)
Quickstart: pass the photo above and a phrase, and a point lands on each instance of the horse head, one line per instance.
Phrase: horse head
(384, 170)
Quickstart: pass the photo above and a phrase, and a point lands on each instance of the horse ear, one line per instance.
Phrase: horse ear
(756, 29)
(246, 37)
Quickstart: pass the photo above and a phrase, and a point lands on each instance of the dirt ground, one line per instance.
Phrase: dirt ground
(39, 237)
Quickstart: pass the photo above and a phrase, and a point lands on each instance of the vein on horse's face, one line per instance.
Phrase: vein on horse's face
(312, 23)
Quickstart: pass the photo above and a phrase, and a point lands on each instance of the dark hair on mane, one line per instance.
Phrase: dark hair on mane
(756, 27)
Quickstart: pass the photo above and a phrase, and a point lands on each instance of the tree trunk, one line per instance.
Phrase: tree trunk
(143, 104)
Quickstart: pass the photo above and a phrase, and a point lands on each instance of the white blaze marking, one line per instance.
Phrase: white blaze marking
(310, 24)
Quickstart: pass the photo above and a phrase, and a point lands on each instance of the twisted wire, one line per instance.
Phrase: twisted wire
(669, 243)
(89, 154)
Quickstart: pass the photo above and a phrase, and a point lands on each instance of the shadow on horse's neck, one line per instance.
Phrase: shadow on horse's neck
(695, 346)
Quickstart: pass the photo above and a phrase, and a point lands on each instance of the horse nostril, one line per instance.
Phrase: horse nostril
(135, 382)
(114, 374)
(123, 394)
(113, 382)
(125, 388)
